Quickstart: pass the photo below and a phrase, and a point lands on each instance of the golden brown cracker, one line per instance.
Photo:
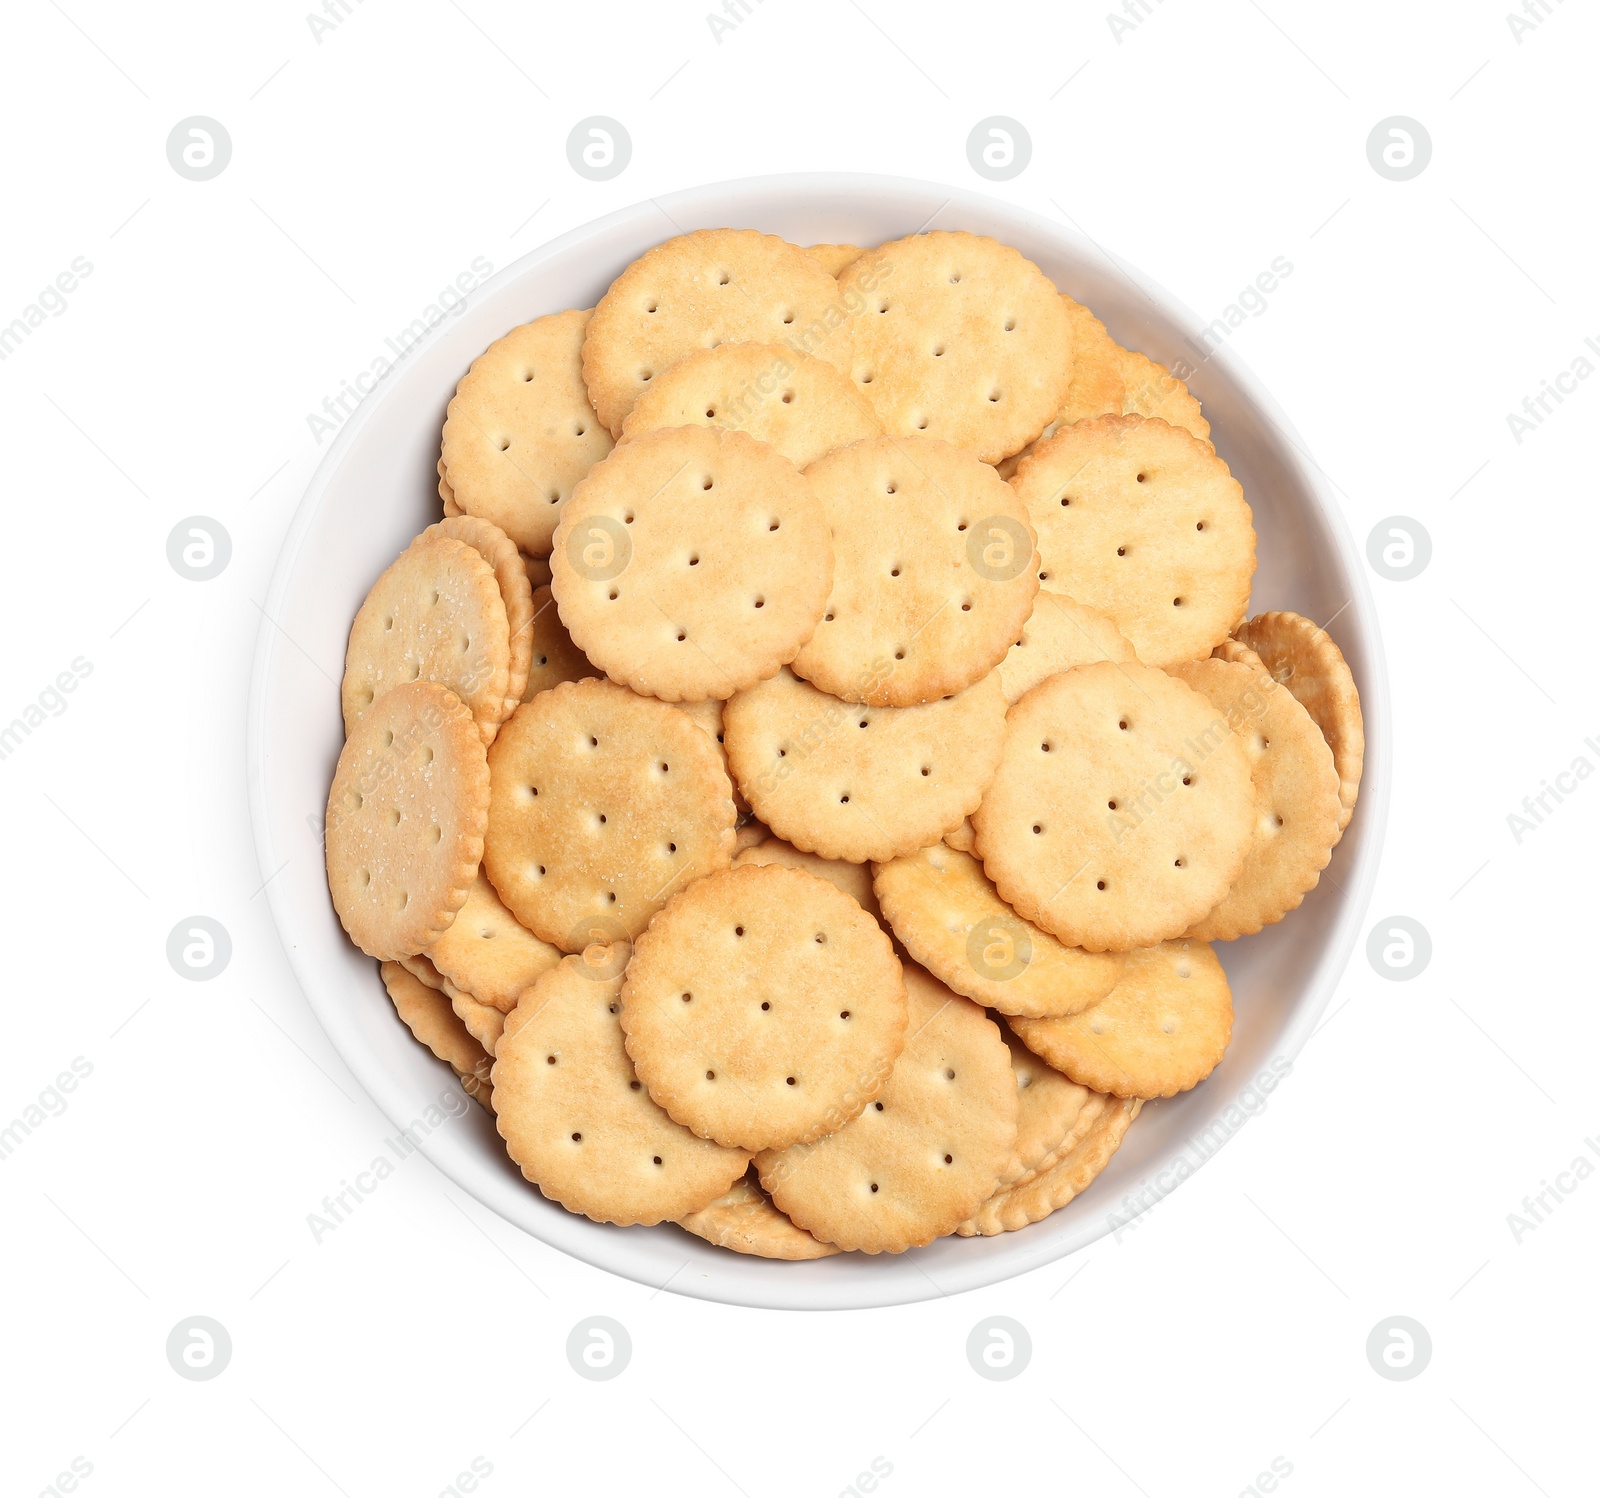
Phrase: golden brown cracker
(833, 257)
(1297, 798)
(1035, 1199)
(1049, 1107)
(934, 572)
(579, 1122)
(427, 1014)
(1122, 809)
(487, 953)
(928, 1150)
(961, 338)
(1142, 521)
(692, 563)
(405, 819)
(802, 406)
(763, 1007)
(553, 658)
(520, 431)
(854, 879)
(1160, 1031)
(948, 914)
(500, 552)
(1303, 657)
(603, 804)
(701, 289)
(744, 1219)
(1060, 634)
(436, 614)
(862, 783)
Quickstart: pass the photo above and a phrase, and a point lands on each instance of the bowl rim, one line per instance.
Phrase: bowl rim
(786, 1290)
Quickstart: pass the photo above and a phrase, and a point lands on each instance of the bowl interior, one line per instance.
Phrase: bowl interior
(376, 489)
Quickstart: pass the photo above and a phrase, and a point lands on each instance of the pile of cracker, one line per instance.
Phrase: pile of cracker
(798, 783)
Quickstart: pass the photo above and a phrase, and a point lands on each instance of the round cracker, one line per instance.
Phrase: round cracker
(854, 879)
(1302, 656)
(952, 920)
(1143, 521)
(961, 838)
(520, 432)
(1160, 1031)
(926, 1153)
(1233, 650)
(1122, 809)
(862, 783)
(485, 1024)
(436, 614)
(1149, 389)
(804, 407)
(744, 1219)
(1049, 1108)
(428, 1015)
(1297, 798)
(961, 338)
(1035, 1199)
(576, 1118)
(933, 575)
(423, 970)
(1060, 634)
(553, 658)
(516, 593)
(708, 715)
(487, 953)
(698, 290)
(602, 804)
(833, 257)
(763, 1007)
(692, 563)
(405, 820)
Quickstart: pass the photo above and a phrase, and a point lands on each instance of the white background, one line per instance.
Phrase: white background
(1228, 1328)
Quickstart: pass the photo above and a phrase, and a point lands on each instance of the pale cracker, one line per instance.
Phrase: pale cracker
(1049, 1106)
(554, 658)
(405, 819)
(579, 1122)
(1035, 1199)
(763, 1007)
(855, 879)
(421, 968)
(1088, 1116)
(698, 290)
(943, 908)
(1159, 1032)
(934, 572)
(1060, 634)
(692, 563)
(961, 838)
(500, 552)
(487, 953)
(1303, 657)
(804, 407)
(520, 431)
(602, 805)
(427, 1014)
(962, 339)
(446, 493)
(744, 1219)
(1142, 521)
(1122, 809)
(833, 257)
(1297, 798)
(478, 1088)
(538, 570)
(862, 783)
(436, 614)
(926, 1153)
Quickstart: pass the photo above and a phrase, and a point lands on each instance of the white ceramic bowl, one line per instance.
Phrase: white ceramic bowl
(376, 489)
